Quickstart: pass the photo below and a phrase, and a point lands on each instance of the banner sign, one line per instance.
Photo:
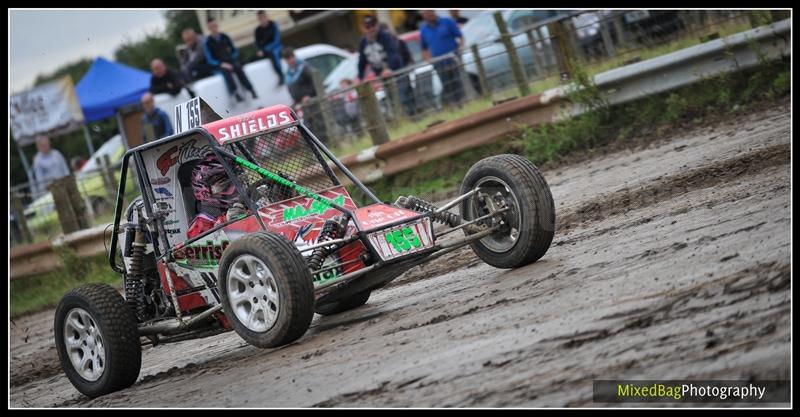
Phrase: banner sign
(50, 108)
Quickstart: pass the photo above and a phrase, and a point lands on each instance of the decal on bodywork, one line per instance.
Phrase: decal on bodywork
(232, 128)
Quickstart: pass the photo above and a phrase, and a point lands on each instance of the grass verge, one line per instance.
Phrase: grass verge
(602, 129)
(35, 293)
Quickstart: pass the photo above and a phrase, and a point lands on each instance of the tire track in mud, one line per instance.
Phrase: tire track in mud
(627, 200)
(644, 329)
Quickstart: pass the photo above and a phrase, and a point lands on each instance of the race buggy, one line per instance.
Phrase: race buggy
(298, 244)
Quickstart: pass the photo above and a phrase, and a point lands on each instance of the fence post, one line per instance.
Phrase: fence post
(371, 110)
(563, 56)
(393, 93)
(324, 106)
(623, 37)
(516, 66)
(19, 216)
(605, 33)
(109, 178)
(537, 58)
(66, 214)
(481, 72)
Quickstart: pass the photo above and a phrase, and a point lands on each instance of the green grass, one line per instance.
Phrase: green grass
(35, 293)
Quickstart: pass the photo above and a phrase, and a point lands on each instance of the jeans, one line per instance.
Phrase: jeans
(230, 83)
(407, 94)
(450, 75)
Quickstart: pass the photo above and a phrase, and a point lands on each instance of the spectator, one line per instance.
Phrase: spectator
(301, 87)
(347, 107)
(268, 42)
(441, 36)
(48, 164)
(456, 15)
(193, 57)
(155, 119)
(381, 51)
(166, 80)
(223, 56)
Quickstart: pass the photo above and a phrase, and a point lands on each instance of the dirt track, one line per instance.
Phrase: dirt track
(670, 262)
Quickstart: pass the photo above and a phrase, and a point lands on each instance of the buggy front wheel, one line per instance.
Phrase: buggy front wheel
(267, 290)
(526, 226)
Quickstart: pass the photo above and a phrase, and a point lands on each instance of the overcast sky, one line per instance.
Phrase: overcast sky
(40, 41)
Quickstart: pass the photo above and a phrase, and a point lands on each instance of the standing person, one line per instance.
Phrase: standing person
(381, 51)
(301, 87)
(193, 57)
(223, 55)
(166, 80)
(268, 42)
(441, 36)
(456, 15)
(48, 164)
(155, 119)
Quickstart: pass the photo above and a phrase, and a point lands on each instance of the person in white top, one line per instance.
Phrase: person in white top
(48, 164)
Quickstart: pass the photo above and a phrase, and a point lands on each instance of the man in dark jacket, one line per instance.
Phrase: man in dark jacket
(166, 80)
(268, 42)
(381, 51)
(155, 122)
(223, 55)
(193, 57)
(301, 87)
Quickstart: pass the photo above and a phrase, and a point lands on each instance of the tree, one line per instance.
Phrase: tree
(139, 54)
(177, 21)
(76, 70)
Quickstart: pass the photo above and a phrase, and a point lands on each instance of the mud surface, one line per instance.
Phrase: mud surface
(669, 262)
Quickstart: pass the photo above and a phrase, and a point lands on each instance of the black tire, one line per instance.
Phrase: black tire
(295, 288)
(336, 307)
(536, 210)
(120, 336)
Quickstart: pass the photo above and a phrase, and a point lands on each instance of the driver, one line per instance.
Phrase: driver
(217, 198)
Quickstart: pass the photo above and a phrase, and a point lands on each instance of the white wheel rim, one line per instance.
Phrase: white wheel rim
(84, 344)
(253, 293)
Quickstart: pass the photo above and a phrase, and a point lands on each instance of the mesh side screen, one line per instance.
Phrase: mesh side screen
(286, 152)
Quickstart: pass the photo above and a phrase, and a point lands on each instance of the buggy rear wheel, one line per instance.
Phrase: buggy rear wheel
(266, 289)
(513, 183)
(97, 340)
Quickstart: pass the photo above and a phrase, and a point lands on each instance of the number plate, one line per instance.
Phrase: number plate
(187, 115)
(403, 240)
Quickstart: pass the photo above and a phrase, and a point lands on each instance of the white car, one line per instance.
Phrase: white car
(264, 79)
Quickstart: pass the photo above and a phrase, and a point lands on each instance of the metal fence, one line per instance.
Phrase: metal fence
(43, 210)
(530, 60)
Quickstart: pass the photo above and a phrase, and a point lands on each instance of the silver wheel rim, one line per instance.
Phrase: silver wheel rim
(85, 345)
(505, 239)
(253, 293)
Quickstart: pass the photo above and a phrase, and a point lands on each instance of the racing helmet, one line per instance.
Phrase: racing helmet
(211, 183)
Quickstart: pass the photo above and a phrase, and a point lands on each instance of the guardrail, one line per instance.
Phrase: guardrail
(634, 81)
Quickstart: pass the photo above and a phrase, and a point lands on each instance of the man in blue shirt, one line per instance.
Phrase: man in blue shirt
(441, 36)
(155, 119)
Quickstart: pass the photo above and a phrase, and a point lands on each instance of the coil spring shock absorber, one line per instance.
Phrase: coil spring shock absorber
(417, 204)
(332, 229)
(134, 284)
